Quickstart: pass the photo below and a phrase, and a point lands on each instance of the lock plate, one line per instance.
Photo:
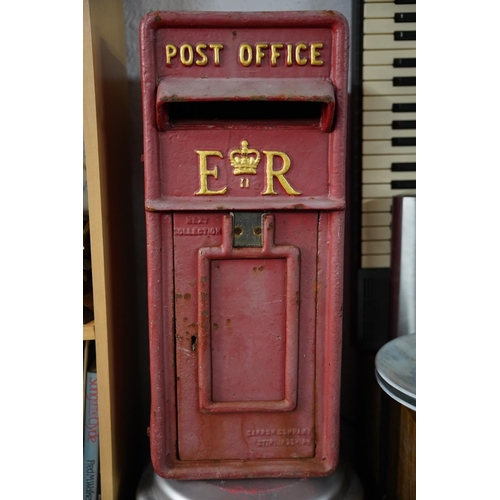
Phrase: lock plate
(247, 229)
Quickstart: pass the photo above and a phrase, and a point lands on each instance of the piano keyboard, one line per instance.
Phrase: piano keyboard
(388, 121)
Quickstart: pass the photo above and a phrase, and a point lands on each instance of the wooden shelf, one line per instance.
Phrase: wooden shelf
(105, 117)
(89, 331)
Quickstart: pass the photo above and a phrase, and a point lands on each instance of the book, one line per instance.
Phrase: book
(86, 350)
(91, 439)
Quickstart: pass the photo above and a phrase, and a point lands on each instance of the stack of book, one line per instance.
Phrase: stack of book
(90, 428)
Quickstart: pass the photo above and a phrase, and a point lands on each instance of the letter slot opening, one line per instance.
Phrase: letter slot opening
(272, 112)
(285, 102)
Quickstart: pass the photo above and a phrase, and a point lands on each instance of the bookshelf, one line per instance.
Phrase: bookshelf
(105, 114)
(89, 331)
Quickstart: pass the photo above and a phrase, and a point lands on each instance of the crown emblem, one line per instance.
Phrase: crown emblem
(244, 161)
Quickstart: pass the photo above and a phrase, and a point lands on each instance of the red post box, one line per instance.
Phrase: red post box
(244, 154)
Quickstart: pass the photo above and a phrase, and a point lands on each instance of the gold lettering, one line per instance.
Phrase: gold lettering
(187, 61)
(245, 54)
(315, 54)
(204, 173)
(299, 54)
(289, 54)
(259, 54)
(199, 51)
(279, 174)
(298, 48)
(170, 51)
(216, 47)
(274, 52)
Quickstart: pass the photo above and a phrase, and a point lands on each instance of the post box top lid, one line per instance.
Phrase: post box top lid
(298, 19)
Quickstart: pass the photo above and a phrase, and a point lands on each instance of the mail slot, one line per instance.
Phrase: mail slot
(244, 156)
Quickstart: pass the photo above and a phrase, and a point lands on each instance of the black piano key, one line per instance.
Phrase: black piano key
(407, 62)
(405, 17)
(403, 184)
(404, 36)
(404, 167)
(404, 141)
(404, 81)
(404, 124)
(404, 107)
(405, 2)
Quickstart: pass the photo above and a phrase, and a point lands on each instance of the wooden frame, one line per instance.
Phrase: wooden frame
(105, 113)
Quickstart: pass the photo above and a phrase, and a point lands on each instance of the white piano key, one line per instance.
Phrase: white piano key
(375, 233)
(376, 219)
(385, 117)
(382, 132)
(377, 42)
(376, 248)
(385, 161)
(386, 9)
(384, 103)
(386, 176)
(379, 26)
(369, 205)
(386, 57)
(383, 191)
(375, 261)
(386, 88)
(385, 148)
(386, 72)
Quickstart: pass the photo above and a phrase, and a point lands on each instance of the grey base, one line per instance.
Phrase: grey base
(343, 484)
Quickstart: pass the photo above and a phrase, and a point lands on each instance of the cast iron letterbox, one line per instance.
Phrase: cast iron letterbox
(244, 153)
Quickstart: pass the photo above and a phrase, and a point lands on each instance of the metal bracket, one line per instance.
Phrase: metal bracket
(247, 229)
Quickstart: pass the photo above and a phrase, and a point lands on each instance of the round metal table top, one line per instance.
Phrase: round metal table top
(395, 370)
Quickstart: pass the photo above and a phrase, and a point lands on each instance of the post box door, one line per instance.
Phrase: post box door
(245, 337)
